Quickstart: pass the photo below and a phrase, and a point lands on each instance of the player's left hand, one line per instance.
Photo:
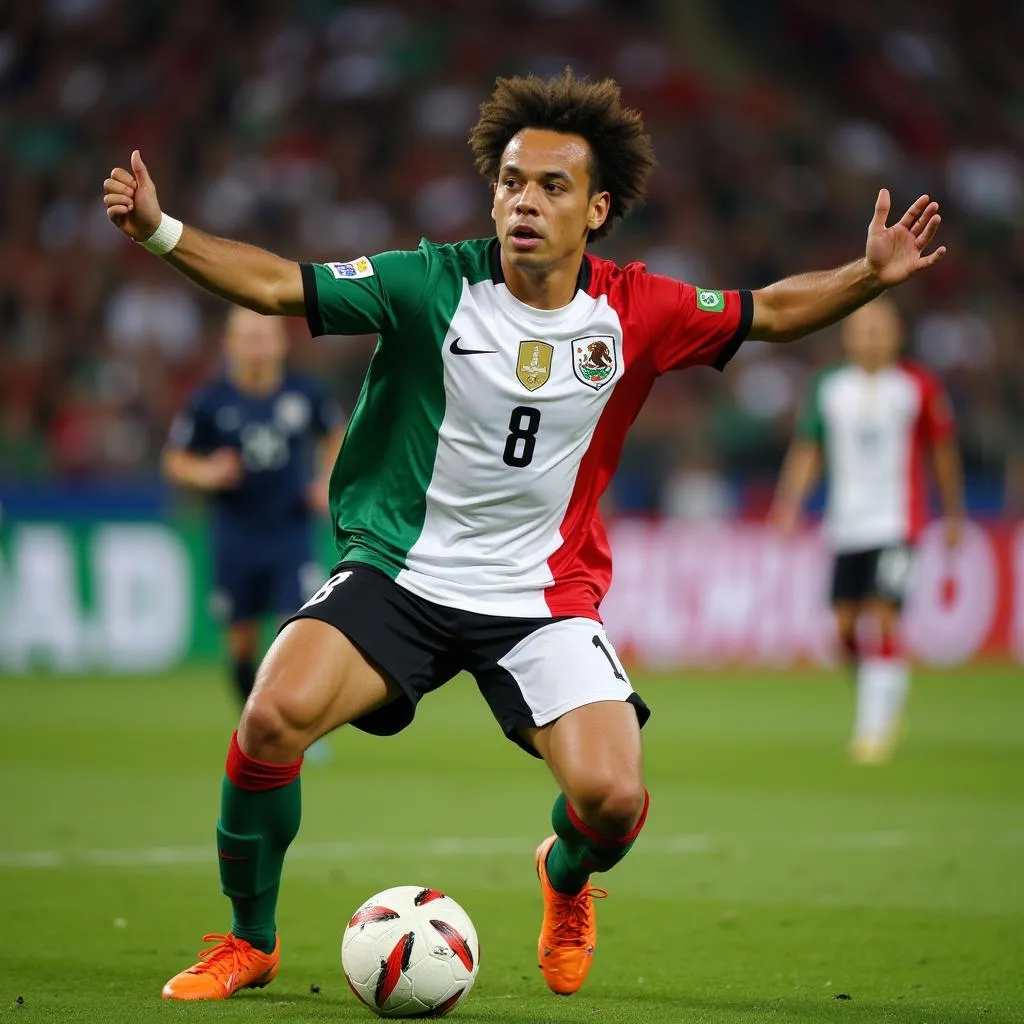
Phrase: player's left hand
(317, 497)
(897, 252)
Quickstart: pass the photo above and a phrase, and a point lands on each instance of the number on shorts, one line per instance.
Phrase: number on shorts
(523, 425)
(892, 572)
(328, 588)
(599, 643)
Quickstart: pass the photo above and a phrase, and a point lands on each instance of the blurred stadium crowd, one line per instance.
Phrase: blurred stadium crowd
(327, 130)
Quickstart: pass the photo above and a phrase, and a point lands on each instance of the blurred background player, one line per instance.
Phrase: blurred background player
(261, 442)
(869, 420)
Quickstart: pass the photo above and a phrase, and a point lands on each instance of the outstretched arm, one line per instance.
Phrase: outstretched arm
(241, 273)
(327, 454)
(949, 476)
(800, 472)
(220, 470)
(796, 306)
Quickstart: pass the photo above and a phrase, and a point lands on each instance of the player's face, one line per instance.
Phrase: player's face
(543, 204)
(254, 342)
(872, 335)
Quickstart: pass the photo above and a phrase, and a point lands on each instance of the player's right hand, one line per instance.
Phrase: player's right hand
(223, 470)
(785, 517)
(130, 199)
(953, 532)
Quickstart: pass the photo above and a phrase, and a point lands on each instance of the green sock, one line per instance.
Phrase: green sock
(253, 833)
(576, 854)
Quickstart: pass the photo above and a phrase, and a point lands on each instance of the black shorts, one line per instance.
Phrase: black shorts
(884, 573)
(530, 671)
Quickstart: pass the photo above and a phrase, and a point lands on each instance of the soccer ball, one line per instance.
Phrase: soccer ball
(410, 952)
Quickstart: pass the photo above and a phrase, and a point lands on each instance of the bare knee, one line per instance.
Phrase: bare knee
(888, 618)
(312, 680)
(847, 614)
(610, 806)
(265, 733)
(273, 727)
(847, 632)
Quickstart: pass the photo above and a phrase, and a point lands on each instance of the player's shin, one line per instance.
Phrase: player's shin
(579, 850)
(260, 811)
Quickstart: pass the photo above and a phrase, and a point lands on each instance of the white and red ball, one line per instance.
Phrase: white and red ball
(410, 951)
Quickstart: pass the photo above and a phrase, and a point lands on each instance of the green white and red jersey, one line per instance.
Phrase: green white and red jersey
(486, 430)
(874, 429)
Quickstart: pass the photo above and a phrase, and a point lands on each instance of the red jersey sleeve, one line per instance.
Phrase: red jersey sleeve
(936, 418)
(694, 326)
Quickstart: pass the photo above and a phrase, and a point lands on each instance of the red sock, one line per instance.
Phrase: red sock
(890, 647)
(247, 773)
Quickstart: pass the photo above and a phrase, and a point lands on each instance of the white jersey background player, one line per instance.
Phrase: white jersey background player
(871, 421)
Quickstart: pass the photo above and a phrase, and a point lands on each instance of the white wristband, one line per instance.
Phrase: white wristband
(166, 236)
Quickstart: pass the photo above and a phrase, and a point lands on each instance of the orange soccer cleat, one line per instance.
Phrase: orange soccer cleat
(568, 934)
(223, 969)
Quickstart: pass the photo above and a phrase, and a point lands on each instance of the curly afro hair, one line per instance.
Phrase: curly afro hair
(622, 154)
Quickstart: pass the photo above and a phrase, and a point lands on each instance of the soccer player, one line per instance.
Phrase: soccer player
(464, 500)
(249, 438)
(870, 420)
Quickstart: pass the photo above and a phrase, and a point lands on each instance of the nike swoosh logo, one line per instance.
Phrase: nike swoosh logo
(457, 350)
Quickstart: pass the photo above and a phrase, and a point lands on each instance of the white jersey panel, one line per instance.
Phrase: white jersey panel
(869, 424)
(521, 409)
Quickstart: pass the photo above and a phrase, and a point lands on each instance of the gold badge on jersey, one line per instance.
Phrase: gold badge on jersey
(533, 367)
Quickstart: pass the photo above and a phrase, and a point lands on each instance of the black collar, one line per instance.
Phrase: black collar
(582, 279)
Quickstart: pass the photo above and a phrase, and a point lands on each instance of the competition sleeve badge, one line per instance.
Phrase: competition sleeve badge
(533, 366)
(710, 300)
(361, 267)
(593, 360)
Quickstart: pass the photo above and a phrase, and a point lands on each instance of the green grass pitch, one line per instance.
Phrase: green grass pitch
(775, 881)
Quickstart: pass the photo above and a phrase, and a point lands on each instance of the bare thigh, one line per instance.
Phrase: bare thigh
(312, 680)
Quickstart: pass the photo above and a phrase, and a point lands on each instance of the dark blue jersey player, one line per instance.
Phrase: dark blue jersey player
(250, 438)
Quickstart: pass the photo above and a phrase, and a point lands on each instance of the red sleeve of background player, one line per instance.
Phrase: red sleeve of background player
(693, 326)
(936, 412)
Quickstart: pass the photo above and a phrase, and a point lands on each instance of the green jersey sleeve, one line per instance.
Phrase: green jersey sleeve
(810, 424)
(369, 295)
